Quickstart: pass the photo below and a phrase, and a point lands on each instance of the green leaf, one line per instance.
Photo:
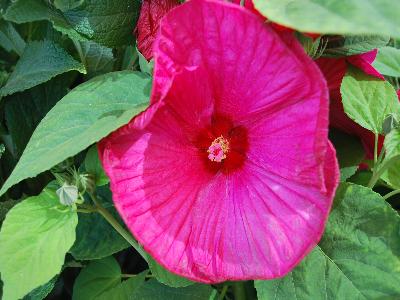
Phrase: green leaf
(41, 61)
(368, 100)
(392, 159)
(109, 23)
(42, 291)
(34, 239)
(352, 45)
(351, 17)
(87, 114)
(23, 11)
(5, 206)
(349, 150)
(145, 66)
(387, 62)
(64, 5)
(95, 237)
(357, 258)
(10, 39)
(103, 277)
(96, 58)
(347, 172)
(156, 291)
(166, 277)
(93, 166)
(23, 111)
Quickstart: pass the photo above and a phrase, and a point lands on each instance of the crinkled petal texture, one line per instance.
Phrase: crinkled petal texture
(221, 72)
(151, 13)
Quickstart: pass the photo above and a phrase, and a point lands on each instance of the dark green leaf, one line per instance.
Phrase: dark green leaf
(93, 166)
(23, 11)
(10, 39)
(357, 258)
(166, 277)
(24, 111)
(109, 23)
(42, 291)
(156, 291)
(335, 17)
(95, 238)
(84, 116)
(368, 100)
(349, 149)
(387, 62)
(34, 239)
(5, 207)
(352, 45)
(101, 279)
(96, 58)
(40, 62)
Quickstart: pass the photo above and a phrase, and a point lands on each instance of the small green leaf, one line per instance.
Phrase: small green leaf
(101, 279)
(65, 5)
(387, 62)
(347, 172)
(96, 58)
(10, 39)
(368, 100)
(145, 66)
(93, 166)
(34, 239)
(109, 23)
(166, 277)
(392, 159)
(353, 17)
(154, 290)
(357, 258)
(352, 45)
(84, 116)
(41, 61)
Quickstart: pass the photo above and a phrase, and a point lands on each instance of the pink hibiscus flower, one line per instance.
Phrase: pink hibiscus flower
(151, 13)
(334, 70)
(229, 174)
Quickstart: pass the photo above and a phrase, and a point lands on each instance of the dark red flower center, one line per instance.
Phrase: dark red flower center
(223, 145)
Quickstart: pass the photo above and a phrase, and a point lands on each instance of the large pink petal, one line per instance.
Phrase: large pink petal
(245, 59)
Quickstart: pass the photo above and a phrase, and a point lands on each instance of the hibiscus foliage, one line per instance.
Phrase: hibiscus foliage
(202, 149)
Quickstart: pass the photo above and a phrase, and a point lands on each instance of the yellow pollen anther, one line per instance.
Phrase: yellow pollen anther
(218, 149)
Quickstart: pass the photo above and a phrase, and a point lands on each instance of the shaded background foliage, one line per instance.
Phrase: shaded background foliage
(56, 54)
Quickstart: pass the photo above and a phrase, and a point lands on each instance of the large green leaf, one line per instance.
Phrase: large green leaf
(41, 61)
(352, 45)
(109, 23)
(103, 277)
(23, 111)
(154, 290)
(357, 258)
(166, 277)
(387, 62)
(87, 114)
(42, 291)
(368, 100)
(34, 239)
(353, 17)
(10, 39)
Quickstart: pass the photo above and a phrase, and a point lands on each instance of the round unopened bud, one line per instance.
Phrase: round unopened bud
(67, 194)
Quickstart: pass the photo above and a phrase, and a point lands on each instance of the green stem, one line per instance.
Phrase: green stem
(80, 52)
(223, 291)
(392, 193)
(117, 226)
(239, 290)
(376, 149)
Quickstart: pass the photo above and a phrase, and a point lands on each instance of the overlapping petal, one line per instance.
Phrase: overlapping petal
(219, 70)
